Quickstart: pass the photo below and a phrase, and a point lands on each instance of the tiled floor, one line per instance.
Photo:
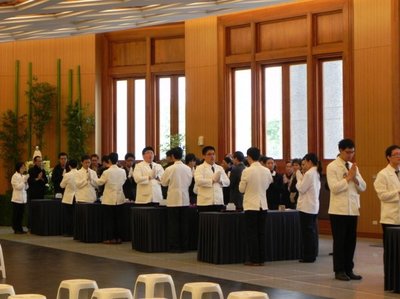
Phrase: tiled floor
(40, 265)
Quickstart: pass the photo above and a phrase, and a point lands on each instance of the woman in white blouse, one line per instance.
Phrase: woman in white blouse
(19, 182)
(309, 185)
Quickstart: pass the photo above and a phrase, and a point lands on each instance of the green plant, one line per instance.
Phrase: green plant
(174, 141)
(79, 126)
(42, 97)
(13, 137)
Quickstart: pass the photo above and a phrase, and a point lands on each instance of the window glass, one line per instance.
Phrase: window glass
(182, 107)
(298, 111)
(122, 117)
(165, 114)
(332, 89)
(273, 111)
(242, 109)
(140, 117)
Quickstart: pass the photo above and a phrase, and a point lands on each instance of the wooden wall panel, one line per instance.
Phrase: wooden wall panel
(283, 34)
(372, 21)
(374, 117)
(128, 53)
(167, 50)
(329, 28)
(238, 40)
(44, 54)
(202, 113)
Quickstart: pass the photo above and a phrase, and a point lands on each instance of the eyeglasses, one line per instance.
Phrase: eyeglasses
(349, 152)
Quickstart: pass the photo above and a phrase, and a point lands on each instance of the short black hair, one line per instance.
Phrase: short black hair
(129, 155)
(238, 155)
(147, 148)
(94, 156)
(105, 158)
(253, 153)
(296, 161)
(176, 152)
(169, 153)
(18, 166)
(62, 154)
(85, 157)
(346, 143)
(35, 158)
(206, 149)
(390, 149)
(113, 157)
(73, 163)
(228, 160)
(189, 158)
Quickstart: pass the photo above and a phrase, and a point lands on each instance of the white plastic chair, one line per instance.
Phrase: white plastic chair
(248, 295)
(154, 285)
(112, 293)
(76, 289)
(2, 265)
(27, 296)
(198, 289)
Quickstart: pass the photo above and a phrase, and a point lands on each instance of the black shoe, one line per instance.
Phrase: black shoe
(252, 264)
(342, 276)
(353, 276)
(19, 232)
(307, 261)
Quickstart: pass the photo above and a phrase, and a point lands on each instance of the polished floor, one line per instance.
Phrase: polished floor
(38, 264)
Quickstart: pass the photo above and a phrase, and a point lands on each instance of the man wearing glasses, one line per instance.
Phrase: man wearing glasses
(387, 186)
(345, 184)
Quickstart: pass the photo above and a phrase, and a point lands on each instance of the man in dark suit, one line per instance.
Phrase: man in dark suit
(129, 186)
(236, 173)
(57, 173)
(37, 184)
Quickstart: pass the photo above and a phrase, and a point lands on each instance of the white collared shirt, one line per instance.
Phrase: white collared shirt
(178, 178)
(387, 186)
(254, 183)
(308, 186)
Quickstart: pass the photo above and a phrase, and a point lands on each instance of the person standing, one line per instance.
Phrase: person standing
(254, 183)
(177, 178)
(37, 185)
(387, 186)
(57, 174)
(19, 183)
(345, 183)
(209, 179)
(68, 201)
(86, 182)
(309, 186)
(130, 184)
(113, 197)
(147, 175)
(236, 196)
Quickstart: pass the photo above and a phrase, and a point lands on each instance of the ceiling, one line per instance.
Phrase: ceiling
(38, 19)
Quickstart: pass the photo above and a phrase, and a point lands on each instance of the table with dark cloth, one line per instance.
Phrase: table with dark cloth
(46, 217)
(391, 257)
(88, 222)
(149, 228)
(222, 238)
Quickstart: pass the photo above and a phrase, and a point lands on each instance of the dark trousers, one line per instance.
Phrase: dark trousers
(113, 224)
(344, 233)
(17, 216)
(309, 234)
(384, 226)
(255, 235)
(68, 219)
(211, 208)
(178, 228)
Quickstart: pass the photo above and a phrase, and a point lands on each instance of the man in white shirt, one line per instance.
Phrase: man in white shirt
(209, 179)
(86, 182)
(254, 183)
(113, 197)
(147, 175)
(345, 183)
(68, 183)
(177, 178)
(387, 186)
